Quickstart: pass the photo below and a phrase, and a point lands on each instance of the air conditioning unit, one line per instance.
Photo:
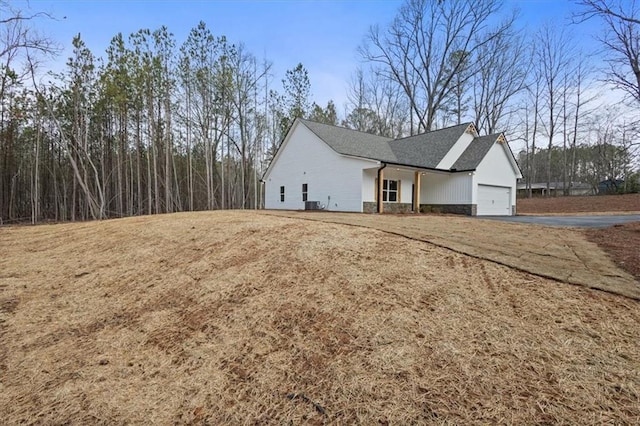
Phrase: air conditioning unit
(312, 205)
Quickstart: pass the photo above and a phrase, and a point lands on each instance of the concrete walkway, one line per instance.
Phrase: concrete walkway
(561, 254)
(578, 221)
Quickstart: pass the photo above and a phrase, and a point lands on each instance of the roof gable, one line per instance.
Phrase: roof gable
(427, 149)
(276, 155)
(478, 150)
(475, 152)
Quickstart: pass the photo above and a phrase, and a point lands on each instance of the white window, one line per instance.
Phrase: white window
(390, 191)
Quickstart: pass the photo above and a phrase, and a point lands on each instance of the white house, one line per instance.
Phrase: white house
(451, 170)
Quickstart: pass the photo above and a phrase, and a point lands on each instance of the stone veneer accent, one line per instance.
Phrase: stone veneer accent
(464, 209)
(372, 207)
(369, 207)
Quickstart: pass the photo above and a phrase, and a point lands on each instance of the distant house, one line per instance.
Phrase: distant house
(452, 170)
(610, 186)
(555, 189)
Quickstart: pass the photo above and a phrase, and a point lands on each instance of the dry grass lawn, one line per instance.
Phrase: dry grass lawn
(563, 254)
(247, 318)
(620, 242)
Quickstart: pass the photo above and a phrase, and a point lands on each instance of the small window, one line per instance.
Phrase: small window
(390, 191)
(282, 194)
(304, 192)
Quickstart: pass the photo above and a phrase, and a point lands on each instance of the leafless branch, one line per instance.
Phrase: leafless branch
(595, 8)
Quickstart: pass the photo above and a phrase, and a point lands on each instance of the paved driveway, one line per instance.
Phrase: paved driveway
(575, 221)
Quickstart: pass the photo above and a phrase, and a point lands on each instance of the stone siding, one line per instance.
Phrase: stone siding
(464, 209)
(372, 207)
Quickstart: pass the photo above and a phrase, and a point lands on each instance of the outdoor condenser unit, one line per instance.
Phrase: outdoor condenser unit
(312, 205)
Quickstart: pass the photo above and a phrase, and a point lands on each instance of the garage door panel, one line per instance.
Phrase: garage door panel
(494, 200)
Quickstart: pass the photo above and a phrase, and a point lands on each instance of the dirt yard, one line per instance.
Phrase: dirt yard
(592, 204)
(241, 317)
(621, 243)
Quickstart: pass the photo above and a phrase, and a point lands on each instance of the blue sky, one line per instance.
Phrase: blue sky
(322, 34)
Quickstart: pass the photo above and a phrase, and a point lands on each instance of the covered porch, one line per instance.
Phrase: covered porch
(402, 189)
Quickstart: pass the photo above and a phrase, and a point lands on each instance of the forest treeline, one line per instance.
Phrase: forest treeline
(583, 164)
(156, 125)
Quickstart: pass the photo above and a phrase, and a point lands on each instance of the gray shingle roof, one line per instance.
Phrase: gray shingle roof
(475, 152)
(351, 142)
(425, 150)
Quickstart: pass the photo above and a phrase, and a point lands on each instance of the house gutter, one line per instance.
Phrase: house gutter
(430, 169)
(379, 188)
(411, 166)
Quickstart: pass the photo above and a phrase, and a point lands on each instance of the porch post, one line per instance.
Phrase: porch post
(380, 186)
(416, 192)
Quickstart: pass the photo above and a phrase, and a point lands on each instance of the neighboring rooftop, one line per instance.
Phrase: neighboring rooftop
(555, 185)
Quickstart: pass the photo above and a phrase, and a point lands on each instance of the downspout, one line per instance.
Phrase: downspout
(380, 185)
(260, 204)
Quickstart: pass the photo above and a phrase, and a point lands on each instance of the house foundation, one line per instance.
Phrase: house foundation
(463, 209)
(372, 207)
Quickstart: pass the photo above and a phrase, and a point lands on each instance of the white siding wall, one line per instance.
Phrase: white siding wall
(455, 152)
(369, 177)
(495, 169)
(436, 188)
(332, 179)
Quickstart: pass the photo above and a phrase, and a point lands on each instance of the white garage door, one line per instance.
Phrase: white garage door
(494, 200)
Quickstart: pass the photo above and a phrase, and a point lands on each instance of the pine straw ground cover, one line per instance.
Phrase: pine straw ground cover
(563, 254)
(245, 318)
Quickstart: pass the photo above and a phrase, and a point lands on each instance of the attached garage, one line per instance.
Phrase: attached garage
(494, 200)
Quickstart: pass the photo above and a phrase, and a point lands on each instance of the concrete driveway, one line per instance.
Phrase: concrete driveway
(585, 221)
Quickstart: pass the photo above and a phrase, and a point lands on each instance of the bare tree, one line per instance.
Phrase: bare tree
(621, 40)
(535, 91)
(205, 76)
(615, 9)
(502, 73)
(16, 33)
(248, 122)
(21, 45)
(579, 101)
(552, 56)
(376, 104)
(420, 50)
